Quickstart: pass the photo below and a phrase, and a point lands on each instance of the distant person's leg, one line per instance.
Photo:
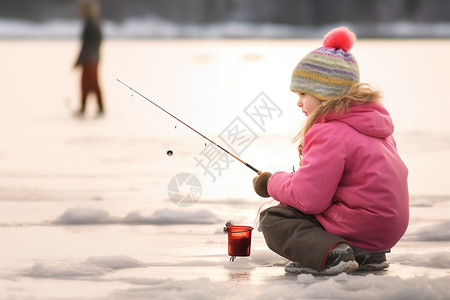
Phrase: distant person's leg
(89, 83)
(85, 87)
(96, 88)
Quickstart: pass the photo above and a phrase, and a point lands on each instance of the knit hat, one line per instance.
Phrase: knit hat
(328, 71)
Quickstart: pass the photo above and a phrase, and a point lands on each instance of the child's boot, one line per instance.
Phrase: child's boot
(339, 260)
(372, 261)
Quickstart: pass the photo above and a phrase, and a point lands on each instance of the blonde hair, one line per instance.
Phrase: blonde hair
(359, 93)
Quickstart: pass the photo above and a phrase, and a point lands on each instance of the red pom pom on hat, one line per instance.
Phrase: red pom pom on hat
(340, 37)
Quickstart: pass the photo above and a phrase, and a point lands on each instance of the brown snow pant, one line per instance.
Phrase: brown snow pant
(89, 83)
(297, 236)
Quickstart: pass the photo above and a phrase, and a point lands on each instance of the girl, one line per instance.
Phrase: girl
(348, 203)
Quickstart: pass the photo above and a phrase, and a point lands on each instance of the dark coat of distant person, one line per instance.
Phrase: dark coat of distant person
(91, 41)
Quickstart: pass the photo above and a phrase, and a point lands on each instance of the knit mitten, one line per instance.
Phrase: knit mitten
(260, 184)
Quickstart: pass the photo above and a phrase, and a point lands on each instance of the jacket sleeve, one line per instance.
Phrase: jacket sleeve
(312, 187)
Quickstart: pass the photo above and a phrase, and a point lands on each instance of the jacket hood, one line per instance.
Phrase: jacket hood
(371, 119)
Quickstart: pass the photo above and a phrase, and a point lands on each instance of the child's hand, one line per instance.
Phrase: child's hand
(260, 184)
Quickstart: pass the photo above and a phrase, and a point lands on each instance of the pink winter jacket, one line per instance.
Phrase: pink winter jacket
(352, 178)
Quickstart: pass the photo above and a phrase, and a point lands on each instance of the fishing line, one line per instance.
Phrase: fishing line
(220, 147)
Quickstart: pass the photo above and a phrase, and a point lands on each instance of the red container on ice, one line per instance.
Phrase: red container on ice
(239, 240)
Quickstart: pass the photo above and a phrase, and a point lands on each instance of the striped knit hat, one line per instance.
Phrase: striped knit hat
(328, 71)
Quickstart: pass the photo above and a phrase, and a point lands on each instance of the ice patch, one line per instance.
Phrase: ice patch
(93, 266)
(376, 287)
(421, 202)
(309, 278)
(189, 263)
(439, 260)
(93, 216)
(355, 287)
(231, 201)
(428, 200)
(435, 232)
(114, 262)
(171, 216)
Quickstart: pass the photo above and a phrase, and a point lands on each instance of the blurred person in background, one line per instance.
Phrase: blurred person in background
(89, 56)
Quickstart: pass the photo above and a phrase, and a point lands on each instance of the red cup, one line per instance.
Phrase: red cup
(239, 240)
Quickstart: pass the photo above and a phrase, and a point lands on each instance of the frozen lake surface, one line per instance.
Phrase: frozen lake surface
(85, 207)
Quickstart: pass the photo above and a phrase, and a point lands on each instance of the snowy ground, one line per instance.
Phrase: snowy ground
(85, 206)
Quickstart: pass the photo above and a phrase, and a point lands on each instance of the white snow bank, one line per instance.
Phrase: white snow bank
(93, 266)
(267, 258)
(338, 287)
(306, 278)
(83, 216)
(428, 200)
(440, 260)
(434, 232)
(376, 287)
(172, 216)
(93, 216)
(240, 263)
(156, 27)
(309, 278)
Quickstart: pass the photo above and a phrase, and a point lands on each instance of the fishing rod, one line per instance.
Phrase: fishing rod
(220, 147)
